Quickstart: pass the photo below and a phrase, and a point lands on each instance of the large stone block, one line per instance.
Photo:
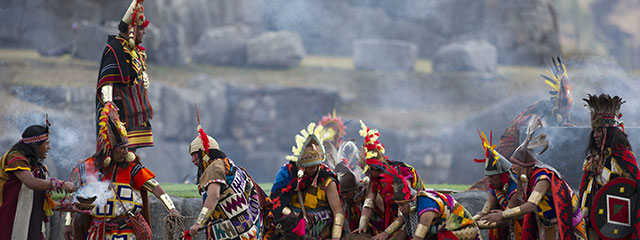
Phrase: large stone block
(275, 50)
(378, 54)
(90, 40)
(473, 55)
(226, 45)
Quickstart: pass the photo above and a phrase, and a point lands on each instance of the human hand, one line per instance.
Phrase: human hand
(193, 230)
(360, 230)
(69, 187)
(494, 216)
(381, 236)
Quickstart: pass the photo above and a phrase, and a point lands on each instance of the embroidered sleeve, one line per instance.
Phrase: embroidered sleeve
(215, 173)
(426, 204)
(17, 162)
(143, 175)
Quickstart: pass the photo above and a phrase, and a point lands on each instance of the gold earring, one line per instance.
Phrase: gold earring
(523, 178)
(300, 173)
(131, 157)
(106, 162)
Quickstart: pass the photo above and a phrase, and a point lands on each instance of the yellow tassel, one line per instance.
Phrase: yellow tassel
(49, 204)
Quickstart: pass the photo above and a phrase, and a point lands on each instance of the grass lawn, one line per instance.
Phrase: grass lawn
(191, 191)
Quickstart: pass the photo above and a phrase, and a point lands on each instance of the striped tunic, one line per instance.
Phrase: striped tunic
(124, 68)
(21, 209)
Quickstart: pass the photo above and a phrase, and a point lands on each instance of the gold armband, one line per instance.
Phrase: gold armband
(421, 231)
(166, 201)
(393, 227)
(150, 184)
(338, 222)
(368, 203)
(535, 198)
(286, 211)
(364, 222)
(486, 209)
(107, 93)
(67, 219)
(511, 213)
(203, 216)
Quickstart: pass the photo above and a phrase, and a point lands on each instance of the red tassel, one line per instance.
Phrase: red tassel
(300, 229)
(186, 235)
(479, 160)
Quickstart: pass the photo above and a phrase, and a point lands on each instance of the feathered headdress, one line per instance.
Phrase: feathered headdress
(524, 155)
(312, 136)
(494, 163)
(560, 89)
(399, 186)
(202, 142)
(334, 126)
(605, 110)
(134, 16)
(112, 132)
(373, 150)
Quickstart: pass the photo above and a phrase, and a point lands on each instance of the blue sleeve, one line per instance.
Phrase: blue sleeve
(427, 204)
(282, 178)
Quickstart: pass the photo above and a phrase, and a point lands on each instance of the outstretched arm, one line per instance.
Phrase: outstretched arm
(213, 195)
(542, 186)
(336, 208)
(41, 184)
(367, 210)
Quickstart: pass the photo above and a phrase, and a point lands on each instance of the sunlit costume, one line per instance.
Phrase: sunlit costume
(238, 213)
(451, 221)
(129, 181)
(307, 199)
(379, 196)
(556, 214)
(23, 210)
(123, 80)
(499, 198)
(612, 159)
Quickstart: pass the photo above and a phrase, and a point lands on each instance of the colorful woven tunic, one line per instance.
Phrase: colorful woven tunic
(619, 162)
(559, 205)
(503, 196)
(126, 180)
(237, 214)
(454, 221)
(21, 209)
(410, 175)
(124, 69)
(315, 201)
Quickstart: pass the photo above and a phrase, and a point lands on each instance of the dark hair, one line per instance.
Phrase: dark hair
(213, 154)
(29, 149)
(123, 27)
(615, 138)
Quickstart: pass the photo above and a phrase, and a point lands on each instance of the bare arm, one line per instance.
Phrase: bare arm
(32, 182)
(336, 208)
(366, 211)
(541, 187)
(425, 220)
(213, 195)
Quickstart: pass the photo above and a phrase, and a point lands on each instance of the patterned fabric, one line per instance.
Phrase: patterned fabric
(411, 220)
(123, 69)
(620, 162)
(391, 209)
(283, 194)
(237, 214)
(502, 198)
(454, 221)
(21, 208)
(563, 202)
(126, 179)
